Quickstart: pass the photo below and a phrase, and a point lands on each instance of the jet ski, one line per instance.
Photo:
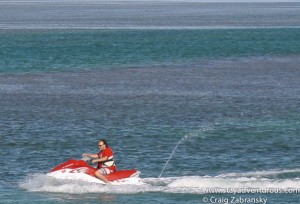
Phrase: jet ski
(81, 170)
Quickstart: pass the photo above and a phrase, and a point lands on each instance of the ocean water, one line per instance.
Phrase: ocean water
(218, 81)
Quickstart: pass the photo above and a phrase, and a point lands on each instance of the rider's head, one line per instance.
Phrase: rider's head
(102, 144)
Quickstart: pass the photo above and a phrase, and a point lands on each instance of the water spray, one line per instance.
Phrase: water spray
(173, 152)
(183, 139)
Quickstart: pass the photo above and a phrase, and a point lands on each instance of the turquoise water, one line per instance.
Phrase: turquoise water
(226, 91)
(63, 50)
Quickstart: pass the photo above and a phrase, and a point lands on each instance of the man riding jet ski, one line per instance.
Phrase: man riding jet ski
(105, 172)
(105, 160)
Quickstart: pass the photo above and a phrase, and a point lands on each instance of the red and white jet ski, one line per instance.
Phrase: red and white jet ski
(80, 170)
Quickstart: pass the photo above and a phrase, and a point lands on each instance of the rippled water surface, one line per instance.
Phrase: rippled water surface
(228, 95)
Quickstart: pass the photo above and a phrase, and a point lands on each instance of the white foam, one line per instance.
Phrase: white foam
(44, 183)
(261, 173)
(239, 181)
(243, 182)
(182, 184)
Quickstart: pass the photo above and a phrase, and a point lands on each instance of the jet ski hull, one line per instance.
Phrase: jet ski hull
(80, 170)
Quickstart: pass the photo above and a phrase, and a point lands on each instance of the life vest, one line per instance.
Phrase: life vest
(109, 163)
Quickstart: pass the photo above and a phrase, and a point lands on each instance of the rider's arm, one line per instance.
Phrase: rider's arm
(93, 156)
(101, 159)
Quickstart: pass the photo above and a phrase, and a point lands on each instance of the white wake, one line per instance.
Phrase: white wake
(284, 180)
